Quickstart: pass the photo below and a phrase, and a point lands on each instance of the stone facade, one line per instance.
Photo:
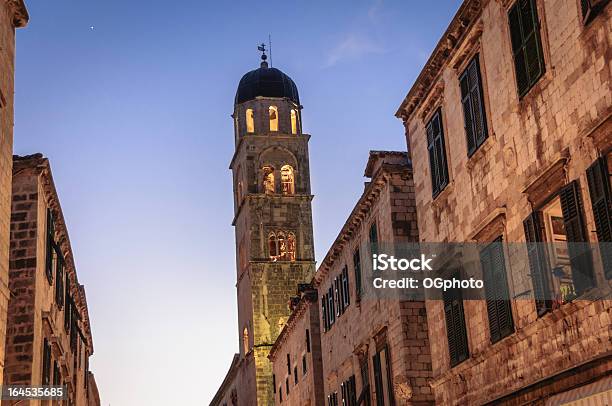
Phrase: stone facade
(377, 349)
(296, 355)
(13, 14)
(274, 238)
(48, 332)
(538, 139)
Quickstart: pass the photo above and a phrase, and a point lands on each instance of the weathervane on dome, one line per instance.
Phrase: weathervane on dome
(262, 48)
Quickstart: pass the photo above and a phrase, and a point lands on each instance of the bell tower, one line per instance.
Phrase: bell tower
(272, 219)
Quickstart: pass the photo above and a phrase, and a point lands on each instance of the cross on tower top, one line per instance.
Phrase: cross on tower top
(264, 57)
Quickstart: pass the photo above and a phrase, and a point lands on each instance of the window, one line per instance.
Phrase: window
(68, 305)
(346, 297)
(338, 296)
(526, 44)
(250, 121)
(273, 113)
(598, 178)
(332, 399)
(57, 375)
(294, 122)
(357, 270)
(288, 364)
(46, 372)
(280, 394)
(324, 313)
(473, 106)
(374, 238)
(365, 382)
(562, 269)
(307, 340)
(268, 180)
(289, 254)
(499, 309)
(295, 375)
(245, 340)
(382, 378)
(331, 307)
(50, 248)
(455, 325)
(273, 246)
(287, 180)
(437, 153)
(349, 392)
(304, 366)
(287, 384)
(59, 277)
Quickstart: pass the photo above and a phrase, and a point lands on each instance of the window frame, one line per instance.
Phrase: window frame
(436, 145)
(477, 139)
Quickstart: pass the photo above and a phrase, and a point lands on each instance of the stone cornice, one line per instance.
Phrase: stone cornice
(19, 12)
(466, 16)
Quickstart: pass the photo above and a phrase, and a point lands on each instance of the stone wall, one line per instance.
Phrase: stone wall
(536, 144)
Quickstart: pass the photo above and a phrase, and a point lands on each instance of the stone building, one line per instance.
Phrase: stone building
(509, 130)
(296, 354)
(375, 350)
(273, 223)
(48, 338)
(13, 14)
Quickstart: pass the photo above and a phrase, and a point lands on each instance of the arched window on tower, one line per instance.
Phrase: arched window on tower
(287, 180)
(273, 112)
(268, 180)
(294, 122)
(290, 247)
(245, 340)
(282, 246)
(273, 246)
(250, 121)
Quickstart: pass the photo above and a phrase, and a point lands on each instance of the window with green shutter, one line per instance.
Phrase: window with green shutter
(578, 247)
(50, 246)
(373, 235)
(46, 364)
(526, 44)
(357, 270)
(455, 325)
(472, 99)
(499, 310)
(437, 153)
(601, 202)
(538, 262)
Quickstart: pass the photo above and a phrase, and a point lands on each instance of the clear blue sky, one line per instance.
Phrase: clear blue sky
(131, 102)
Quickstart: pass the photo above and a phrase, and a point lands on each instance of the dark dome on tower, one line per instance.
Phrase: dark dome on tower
(266, 82)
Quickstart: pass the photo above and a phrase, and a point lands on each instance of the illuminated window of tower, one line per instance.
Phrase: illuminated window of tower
(293, 121)
(245, 340)
(273, 112)
(290, 247)
(282, 245)
(250, 121)
(287, 180)
(268, 180)
(272, 246)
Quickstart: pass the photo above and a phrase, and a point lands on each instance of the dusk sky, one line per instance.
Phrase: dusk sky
(131, 102)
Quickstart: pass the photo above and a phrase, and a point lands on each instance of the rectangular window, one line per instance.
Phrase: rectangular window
(332, 399)
(46, 372)
(304, 365)
(331, 307)
(280, 394)
(307, 340)
(364, 397)
(57, 377)
(499, 309)
(455, 325)
(287, 384)
(472, 99)
(324, 313)
(295, 376)
(59, 277)
(274, 383)
(590, 8)
(598, 178)
(338, 296)
(373, 235)
(538, 264)
(357, 270)
(349, 393)
(288, 364)
(526, 44)
(346, 294)
(437, 153)
(50, 250)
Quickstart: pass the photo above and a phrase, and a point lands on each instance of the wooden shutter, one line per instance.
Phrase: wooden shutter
(374, 238)
(437, 153)
(50, 246)
(331, 308)
(357, 269)
(499, 309)
(538, 262)
(601, 202)
(346, 298)
(579, 250)
(378, 380)
(455, 326)
(473, 106)
(526, 44)
(324, 312)
(46, 378)
(364, 398)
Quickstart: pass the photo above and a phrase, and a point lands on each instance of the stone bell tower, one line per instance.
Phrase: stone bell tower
(273, 219)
